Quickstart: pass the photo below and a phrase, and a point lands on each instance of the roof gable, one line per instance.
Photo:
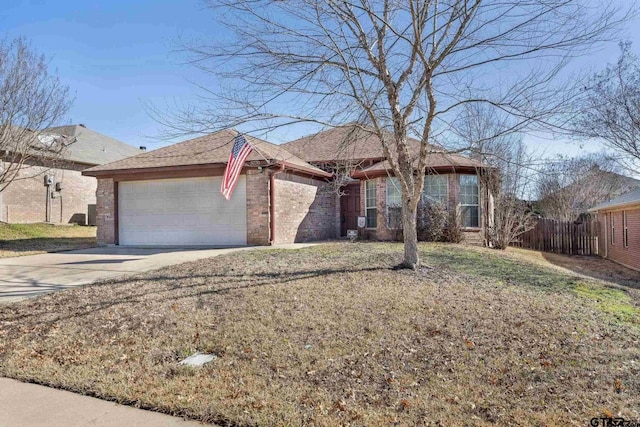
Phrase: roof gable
(351, 142)
(354, 142)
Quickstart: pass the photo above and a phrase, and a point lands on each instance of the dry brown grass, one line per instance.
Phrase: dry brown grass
(31, 239)
(330, 335)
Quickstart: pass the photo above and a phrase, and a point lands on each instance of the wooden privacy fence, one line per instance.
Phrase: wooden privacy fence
(562, 237)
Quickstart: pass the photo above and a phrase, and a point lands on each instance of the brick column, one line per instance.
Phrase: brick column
(105, 212)
(257, 207)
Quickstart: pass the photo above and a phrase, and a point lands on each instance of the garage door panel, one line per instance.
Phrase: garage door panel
(188, 211)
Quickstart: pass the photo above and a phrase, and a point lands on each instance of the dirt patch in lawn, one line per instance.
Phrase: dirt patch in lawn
(331, 335)
(31, 239)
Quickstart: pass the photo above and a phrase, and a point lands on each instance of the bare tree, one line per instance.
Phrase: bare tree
(611, 108)
(507, 176)
(568, 187)
(31, 100)
(403, 68)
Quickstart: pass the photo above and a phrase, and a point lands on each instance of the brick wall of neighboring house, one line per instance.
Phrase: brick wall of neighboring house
(24, 200)
(105, 209)
(384, 233)
(615, 249)
(257, 207)
(305, 209)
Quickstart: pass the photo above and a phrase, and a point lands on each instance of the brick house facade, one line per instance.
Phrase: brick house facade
(287, 199)
(356, 148)
(619, 229)
(290, 195)
(305, 208)
(385, 231)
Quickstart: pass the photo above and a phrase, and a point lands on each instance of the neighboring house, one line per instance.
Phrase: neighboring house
(27, 199)
(619, 229)
(286, 193)
(590, 188)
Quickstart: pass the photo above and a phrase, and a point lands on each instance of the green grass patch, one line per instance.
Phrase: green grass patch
(29, 239)
(503, 269)
(30, 231)
(613, 301)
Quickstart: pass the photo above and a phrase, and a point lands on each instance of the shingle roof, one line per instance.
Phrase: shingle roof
(208, 149)
(630, 198)
(91, 147)
(355, 142)
(434, 161)
(351, 142)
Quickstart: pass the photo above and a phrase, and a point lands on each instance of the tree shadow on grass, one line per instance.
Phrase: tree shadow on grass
(168, 287)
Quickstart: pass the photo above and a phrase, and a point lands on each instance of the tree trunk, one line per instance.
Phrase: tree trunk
(410, 235)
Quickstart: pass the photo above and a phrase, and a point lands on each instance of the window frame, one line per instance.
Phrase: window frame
(612, 225)
(477, 205)
(367, 207)
(625, 230)
(426, 196)
(396, 186)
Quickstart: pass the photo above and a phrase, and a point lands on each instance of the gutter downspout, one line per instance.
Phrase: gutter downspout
(272, 205)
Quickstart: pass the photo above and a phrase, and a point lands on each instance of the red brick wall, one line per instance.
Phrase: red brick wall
(382, 232)
(257, 207)
(24, 200)
(616, 251)
(105, 209)
(305, 209)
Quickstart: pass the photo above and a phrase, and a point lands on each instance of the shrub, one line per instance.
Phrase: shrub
(432, 221)
(453, 231)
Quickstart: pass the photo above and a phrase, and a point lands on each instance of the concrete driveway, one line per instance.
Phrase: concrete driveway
(24, 277)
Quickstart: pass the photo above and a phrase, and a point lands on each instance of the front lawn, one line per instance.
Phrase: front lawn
(30, 239)
(330, 335)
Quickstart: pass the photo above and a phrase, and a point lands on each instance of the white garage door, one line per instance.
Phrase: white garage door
(185, 211)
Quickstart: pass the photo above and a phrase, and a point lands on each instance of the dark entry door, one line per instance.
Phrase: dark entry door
(349, 208)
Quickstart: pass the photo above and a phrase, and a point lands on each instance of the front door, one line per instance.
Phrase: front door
(349, 208)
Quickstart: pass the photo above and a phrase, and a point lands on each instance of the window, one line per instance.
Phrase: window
(469, 200)
(371, 211)
(613, 228)
(436, 188)
(394, 203)
(625, 231)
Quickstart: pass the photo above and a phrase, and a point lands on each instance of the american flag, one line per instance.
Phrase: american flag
(241, 149)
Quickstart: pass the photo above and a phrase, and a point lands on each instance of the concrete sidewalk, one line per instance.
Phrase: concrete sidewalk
(28, 276)
(31, 405)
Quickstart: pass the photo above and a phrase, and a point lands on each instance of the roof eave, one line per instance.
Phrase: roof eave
(614, 206)
(313, 172)
(364, 174)
(113, 172)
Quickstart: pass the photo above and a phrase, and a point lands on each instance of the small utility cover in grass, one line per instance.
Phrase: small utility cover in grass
(198, 359)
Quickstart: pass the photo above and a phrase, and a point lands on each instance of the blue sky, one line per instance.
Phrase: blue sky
(117, 55)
